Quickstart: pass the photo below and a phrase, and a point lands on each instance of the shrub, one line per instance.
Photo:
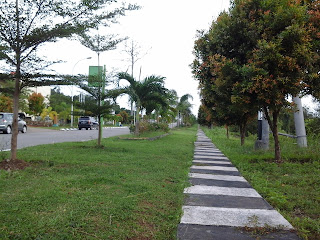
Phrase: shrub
(145, 126)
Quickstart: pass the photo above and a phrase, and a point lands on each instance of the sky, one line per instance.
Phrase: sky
(165, 30)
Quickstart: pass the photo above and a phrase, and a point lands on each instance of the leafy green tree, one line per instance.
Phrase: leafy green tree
(26, 25)
(220, 54)
(58, 101)
(184, 108)
(61, 104)
(36, 103)
(313, 77)
(6, 103)
(262, 52)
(49, 113)
(204, 116)
(279, 62)
(150, 90)
(100, 43)
(168, 111)
(124, 116)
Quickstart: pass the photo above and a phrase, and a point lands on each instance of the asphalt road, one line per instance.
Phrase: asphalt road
(38, 136)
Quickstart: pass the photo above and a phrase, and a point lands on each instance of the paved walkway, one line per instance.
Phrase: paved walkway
(221, 204)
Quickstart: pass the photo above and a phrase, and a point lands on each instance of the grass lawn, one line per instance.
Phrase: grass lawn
(292, 186)
(126, 190)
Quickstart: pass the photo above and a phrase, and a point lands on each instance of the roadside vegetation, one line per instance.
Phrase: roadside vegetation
(255, 57)
(291, 185)
(80, 191)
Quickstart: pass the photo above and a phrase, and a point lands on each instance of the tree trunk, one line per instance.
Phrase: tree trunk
(100, 130)
(274, 128)
(277, 151)
(136, 131)
(14, 137)
(242, 133)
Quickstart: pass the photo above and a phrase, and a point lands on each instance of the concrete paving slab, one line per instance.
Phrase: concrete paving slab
(213, 161)
(203, 140)
(209, 153)
(210, 149)
(216, 172)
(204, 150)
(201, 155)
(236, 217)
(218, 183)
(203, 143)
(226, 201)
(215, 168)
(228, 191)
(211, 164)
(205, 153)
(217, 177)
(211, 157)
(201, 232)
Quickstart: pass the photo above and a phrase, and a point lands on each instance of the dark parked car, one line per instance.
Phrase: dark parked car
(87, 123)
(6, 123)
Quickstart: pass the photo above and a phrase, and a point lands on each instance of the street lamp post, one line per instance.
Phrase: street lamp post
(71, 124)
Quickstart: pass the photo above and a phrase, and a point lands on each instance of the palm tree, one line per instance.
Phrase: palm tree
(184, 108)
(146, 94)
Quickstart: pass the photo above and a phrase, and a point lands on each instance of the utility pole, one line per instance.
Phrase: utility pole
(299, 123)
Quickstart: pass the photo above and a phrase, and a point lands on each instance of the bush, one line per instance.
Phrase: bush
(145, 126)
(313, 126)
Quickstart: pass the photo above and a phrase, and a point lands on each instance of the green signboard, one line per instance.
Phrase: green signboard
(96, 76)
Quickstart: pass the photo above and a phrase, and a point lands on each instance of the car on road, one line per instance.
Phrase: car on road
(6, 123)
(87, 123)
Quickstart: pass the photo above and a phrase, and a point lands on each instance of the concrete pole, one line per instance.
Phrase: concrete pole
(265, 132)
(262, 142)
(299, 123)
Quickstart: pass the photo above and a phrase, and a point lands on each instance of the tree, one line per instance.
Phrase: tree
(25, 26)
(100, 43)
(184, 108)
(167, 111)
(124, 116)
(97, 105)
(49, 113)
(150, 90)
(36, 103)
(279, 62)
(204, 116)
(6, 103)
(268, 45)
(220, 54)
(313, 77)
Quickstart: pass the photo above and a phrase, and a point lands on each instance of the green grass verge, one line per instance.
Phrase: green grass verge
(292, 187)
(126, 190)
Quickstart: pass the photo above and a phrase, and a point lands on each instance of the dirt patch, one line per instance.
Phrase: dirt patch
(9, 165)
